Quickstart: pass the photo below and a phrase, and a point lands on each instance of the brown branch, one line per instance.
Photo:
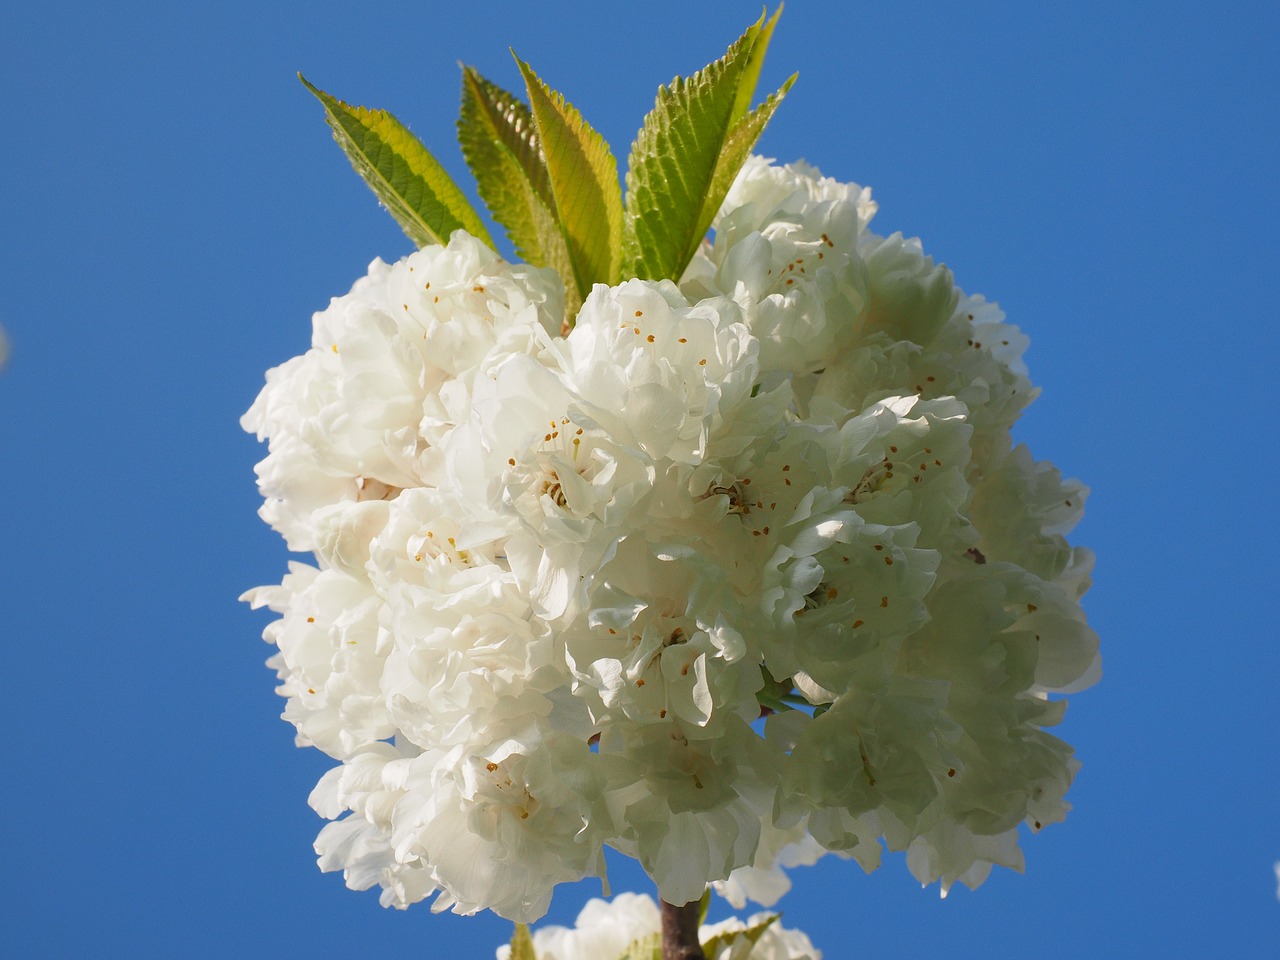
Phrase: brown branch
(680, 932)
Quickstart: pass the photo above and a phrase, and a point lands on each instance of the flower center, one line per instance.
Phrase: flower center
(738, 503)
(368, 488)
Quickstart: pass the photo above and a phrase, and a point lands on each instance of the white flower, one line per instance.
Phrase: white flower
(329, 663)
(786, 251)
(605, 928)
(569, 588)
(351, 418)
(765, 880)
(775, 942)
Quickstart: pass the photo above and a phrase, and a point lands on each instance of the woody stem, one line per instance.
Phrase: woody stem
(680, 932)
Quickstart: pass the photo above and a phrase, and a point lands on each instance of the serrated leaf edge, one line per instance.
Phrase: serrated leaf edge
(595, 259)
(412, 220)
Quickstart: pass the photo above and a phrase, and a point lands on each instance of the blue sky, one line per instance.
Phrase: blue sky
(174, 210)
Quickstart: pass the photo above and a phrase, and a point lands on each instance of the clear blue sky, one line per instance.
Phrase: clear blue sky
(173, 211)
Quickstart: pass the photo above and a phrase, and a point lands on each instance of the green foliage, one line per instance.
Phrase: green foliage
(774, 694)
(754, 64)
(408, 180)
(552, 182)
(738, 943)
(500, 143)
(685, 157)
(646, 948)
(736, 150)
(522, 944)
(584, 184)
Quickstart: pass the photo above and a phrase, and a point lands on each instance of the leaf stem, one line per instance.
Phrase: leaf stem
(680, 932)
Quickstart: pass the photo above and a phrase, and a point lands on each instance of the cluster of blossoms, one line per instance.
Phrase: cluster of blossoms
(557, 576)
(608, 928)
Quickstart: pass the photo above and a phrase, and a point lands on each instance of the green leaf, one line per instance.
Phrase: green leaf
(409, 181)
(646, 948)
(687, 153)
(739, 942)
(522, 944)
(755, 61)
(584, 184)
(491, 113)
(737, 148)
(500, 144)
(703, 906)
(774, 693)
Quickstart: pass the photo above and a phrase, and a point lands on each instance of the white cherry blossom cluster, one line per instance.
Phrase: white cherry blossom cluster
(606, 928)
(737, 572)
